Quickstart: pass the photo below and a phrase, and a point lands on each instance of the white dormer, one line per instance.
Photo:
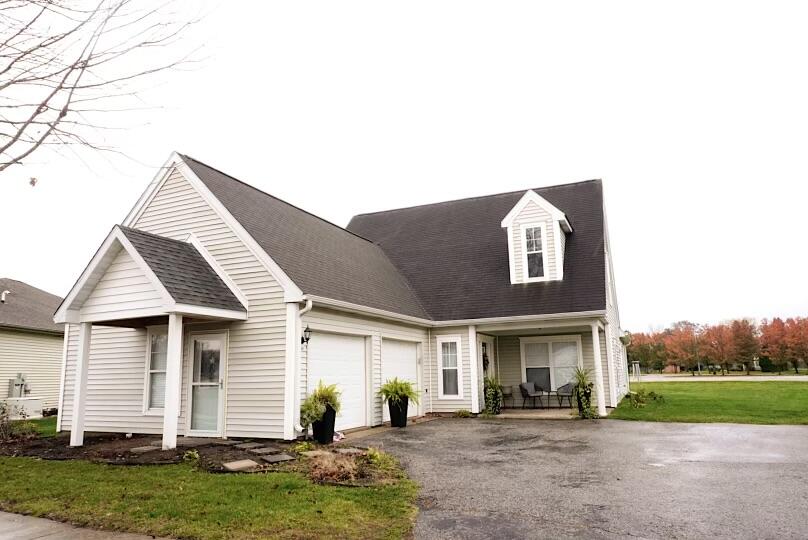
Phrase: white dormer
(536, 239)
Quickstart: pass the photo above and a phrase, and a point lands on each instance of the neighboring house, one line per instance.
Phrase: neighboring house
(31, 344)
(193, 315)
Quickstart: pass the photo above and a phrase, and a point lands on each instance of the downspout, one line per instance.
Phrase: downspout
(298, 324)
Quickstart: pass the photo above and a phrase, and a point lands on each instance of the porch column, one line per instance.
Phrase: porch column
(80, 385)
(473, 371)
(601, 397)
(171, 410)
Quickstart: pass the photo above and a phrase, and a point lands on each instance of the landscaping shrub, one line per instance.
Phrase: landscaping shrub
(15, 430)
(333, 468)
(583, 393)
(640, 398)
(462, 413)
(766, 365)
(303, 446)
(493, 396)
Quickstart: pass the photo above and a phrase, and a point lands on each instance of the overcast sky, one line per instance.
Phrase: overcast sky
(694, 114)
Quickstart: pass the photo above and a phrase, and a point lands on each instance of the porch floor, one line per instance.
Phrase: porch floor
(539, 414)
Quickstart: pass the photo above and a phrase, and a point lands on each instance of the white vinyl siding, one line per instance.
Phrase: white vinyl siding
(432, 372)
(256, 360)
(38, 357)
(124, 286)
(374, 330)
(533, 215)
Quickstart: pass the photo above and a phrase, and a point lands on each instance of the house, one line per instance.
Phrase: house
(215, 307)
(31, 348)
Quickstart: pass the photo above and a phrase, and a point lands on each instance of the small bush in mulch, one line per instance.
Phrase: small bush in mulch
(371, 467)
(333, 468)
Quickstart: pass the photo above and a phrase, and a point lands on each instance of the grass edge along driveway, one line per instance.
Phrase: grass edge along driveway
(763, 402)
(180, 501)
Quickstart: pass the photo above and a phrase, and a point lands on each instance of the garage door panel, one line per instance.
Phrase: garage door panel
(400, 359)
(340, 359)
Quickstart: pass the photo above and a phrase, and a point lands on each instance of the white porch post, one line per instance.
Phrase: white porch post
(473, 371)
(601, 397)
(171, 410)
(80, 385)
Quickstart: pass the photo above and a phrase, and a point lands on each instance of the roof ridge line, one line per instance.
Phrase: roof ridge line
(473, 197)
(259, 190)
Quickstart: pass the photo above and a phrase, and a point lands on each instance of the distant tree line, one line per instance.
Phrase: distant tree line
(776, 344)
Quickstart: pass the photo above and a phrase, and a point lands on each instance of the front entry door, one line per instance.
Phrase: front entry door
(206, 388)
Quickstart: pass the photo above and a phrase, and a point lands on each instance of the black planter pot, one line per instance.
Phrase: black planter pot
(324, 429)
(398, 412)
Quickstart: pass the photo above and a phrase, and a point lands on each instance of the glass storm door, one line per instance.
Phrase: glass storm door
(207, 383)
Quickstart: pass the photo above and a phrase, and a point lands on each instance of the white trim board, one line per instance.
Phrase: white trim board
(440, 340)
(531, 196)
(544, 252)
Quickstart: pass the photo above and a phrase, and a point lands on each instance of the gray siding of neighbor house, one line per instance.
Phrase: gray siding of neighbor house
(374, 331)
(256, 355)
(36, 355)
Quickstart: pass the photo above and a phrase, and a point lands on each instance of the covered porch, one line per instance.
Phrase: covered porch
(157, 288)
(547, 353)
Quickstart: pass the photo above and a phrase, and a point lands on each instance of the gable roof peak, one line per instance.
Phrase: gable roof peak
(531, 196)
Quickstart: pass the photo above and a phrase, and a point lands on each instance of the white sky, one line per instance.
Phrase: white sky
(694, 114)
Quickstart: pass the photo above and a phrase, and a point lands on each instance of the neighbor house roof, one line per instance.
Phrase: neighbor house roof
(455, 254)
(443, 261)
(182, 270)
(320, 257)
(27, 307)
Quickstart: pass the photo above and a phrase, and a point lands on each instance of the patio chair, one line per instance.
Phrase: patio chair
(528, 390)
(565, 391)
(507, 393)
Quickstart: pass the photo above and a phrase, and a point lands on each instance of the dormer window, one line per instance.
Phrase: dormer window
(534, 252)
(536, 232)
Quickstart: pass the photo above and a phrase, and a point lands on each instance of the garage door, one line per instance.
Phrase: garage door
(400, 359)
(339, 359)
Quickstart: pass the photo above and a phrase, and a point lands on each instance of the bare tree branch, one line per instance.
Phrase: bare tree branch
(68, 66)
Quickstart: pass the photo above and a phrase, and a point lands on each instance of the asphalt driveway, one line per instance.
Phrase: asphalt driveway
(604, 479)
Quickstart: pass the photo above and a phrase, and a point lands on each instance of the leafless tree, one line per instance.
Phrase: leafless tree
(68, 66)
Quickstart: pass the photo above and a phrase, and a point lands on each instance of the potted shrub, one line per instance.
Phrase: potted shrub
(398, 394)
(319, 410)
(583, 393)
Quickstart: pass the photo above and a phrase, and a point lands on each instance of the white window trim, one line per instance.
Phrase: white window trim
(544, 253)
(549, 340)
(450, 339)
(151, 330)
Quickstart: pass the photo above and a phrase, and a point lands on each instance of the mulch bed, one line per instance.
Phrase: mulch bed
(114, 448)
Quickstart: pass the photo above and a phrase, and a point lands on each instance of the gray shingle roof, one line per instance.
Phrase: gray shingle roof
(441, 261)
(28, 307)
(320, 257)
(455, 254)
(183, 271)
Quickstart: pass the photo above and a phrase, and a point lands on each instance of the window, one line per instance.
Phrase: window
(534, 252)
(450, 376)
(550, 362)
(157, 341)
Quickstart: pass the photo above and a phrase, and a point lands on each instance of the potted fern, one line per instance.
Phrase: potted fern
(319, 410)
(398, 394)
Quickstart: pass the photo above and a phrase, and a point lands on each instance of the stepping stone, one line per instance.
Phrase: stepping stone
(249, 445)
(143, 449)
(264, 451)
(184, 442)
(278, 458)
(243, 465)
(316, 453)
(225, 442)
(350, 451)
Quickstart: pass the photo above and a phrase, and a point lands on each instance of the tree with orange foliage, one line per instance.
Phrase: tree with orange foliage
(719, 347)
(683, 343)
(797, 340)
(744, 337)
(647, 350)
(773, 342)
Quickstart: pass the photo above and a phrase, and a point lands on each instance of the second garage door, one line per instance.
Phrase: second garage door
(340, 359)
(400, 359)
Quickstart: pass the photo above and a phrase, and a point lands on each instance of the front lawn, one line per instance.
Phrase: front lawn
(180, 501)
(765, 402)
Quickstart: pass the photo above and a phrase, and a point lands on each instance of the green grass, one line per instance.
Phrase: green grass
(180, 501)
(45, 427)
(765, 402)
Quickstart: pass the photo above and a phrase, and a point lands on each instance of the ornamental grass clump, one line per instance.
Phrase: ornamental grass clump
(583, 393)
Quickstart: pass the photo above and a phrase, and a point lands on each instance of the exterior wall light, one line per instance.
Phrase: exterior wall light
(306, 336)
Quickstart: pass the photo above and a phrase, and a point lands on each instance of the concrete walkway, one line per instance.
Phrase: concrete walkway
(725, 378)
(17, 527)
